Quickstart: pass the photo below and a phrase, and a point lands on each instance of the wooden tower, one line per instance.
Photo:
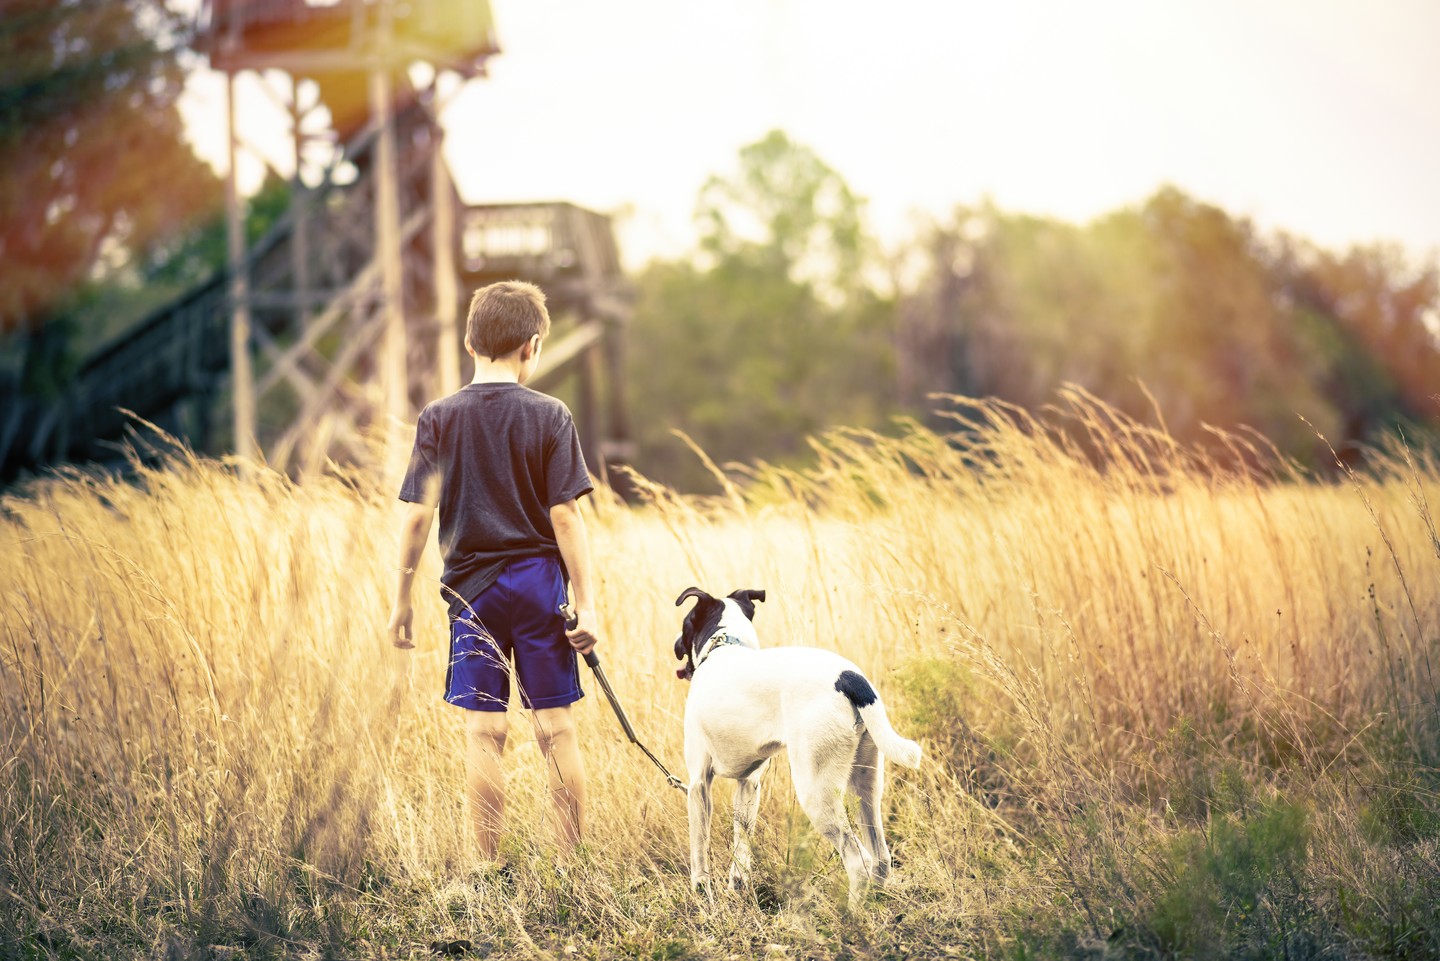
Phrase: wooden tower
(349, 318)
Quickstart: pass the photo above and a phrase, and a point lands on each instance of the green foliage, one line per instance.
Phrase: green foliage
(775, 340)
(100, 310)
(671, 951)
(935, 694)
(94, 164)
(787, 209)
(1196, 781)
(938, 695)
(1231, 891)
(1234, 886)
(1220, 325)
(183, 260)
(1402, 809)
(1390, 906)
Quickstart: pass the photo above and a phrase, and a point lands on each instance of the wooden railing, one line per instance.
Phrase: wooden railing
(543, 241)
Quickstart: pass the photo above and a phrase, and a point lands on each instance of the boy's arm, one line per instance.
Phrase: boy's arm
(414, 533)
(574, 545)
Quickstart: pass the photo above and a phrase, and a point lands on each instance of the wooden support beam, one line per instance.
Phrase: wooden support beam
(40, 439)
(388, 251)
(363, 284)
(447, 278)
(589, 413)
(300, 208)
(288, 300)
(362, 338)
(242, 374)
(566, 350)
(298, 380)
(394, 55)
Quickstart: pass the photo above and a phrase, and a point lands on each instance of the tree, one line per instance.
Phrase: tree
(772, 337)
(1223, 326)
(94, 165)
(1369, 315)
(787, 208)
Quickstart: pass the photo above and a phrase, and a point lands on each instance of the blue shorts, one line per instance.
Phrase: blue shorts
(515, 619)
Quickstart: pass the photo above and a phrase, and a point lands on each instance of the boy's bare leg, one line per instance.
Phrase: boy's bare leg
(555, 730)
(484, 778)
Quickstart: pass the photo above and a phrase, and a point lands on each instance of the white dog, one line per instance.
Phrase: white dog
(745, 704)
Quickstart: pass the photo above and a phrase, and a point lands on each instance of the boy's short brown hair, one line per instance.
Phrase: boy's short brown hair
(504, 316)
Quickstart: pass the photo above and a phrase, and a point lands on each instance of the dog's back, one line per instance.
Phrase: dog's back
(755, 699)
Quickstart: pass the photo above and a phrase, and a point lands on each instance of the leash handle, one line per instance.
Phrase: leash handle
(572, 620)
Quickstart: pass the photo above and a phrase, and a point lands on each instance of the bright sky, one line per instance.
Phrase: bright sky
(1317, 116)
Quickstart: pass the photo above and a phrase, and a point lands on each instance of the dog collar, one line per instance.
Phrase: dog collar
(718, 639)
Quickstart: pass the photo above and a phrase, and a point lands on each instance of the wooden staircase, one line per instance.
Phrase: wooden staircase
(315, 300)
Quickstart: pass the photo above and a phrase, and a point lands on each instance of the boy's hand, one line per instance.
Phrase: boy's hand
(399, 629)
(583, 636)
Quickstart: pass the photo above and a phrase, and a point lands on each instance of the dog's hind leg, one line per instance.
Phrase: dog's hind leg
(867, 781)
(747, 807)
(702, 775)
(820, 780)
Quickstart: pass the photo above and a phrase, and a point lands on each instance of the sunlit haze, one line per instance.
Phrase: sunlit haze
(1315, 117)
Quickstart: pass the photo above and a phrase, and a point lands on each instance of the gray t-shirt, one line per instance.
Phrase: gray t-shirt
(504, 455)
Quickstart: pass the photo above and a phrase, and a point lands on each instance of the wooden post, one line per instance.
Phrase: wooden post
(393, 374)
(242, 373)
(589, 421)
(447, 281)
(299, 207)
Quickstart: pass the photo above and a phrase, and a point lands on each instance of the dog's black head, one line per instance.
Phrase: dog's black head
(704, 619)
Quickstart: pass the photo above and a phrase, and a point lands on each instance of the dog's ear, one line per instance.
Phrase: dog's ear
(692, 592)
(746, 599)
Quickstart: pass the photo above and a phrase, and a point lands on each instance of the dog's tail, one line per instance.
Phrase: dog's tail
(872, 714)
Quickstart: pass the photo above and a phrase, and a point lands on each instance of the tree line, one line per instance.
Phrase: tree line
(790, 320)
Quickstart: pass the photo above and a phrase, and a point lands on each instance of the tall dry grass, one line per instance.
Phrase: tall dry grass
(1174, 703)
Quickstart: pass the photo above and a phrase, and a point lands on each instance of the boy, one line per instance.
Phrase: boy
(508, 467)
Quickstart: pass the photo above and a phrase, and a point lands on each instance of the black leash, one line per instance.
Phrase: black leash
(594, 661)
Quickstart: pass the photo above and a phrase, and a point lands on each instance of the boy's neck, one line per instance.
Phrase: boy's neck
(501, 370)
